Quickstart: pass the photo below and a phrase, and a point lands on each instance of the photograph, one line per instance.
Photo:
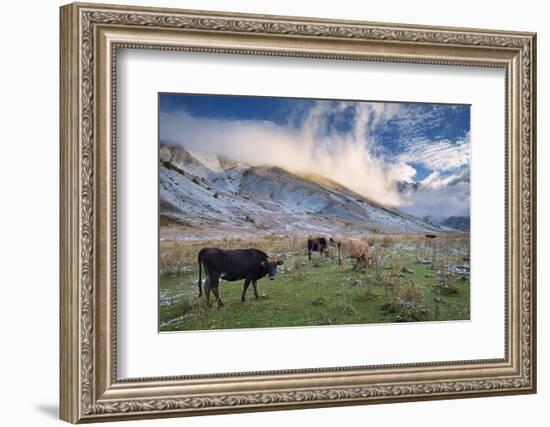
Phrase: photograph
(299, 212)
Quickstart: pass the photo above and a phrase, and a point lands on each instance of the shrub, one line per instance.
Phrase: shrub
(324, 320)
(405, 301)
(386, 241)
(299, 269)
(377, 265)
(444, 282)
(397, 263)
(295, 243)
(173, 167)
(365, 293)
(348, 309)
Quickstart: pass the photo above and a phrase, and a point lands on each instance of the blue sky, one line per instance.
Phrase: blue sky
(412, 142)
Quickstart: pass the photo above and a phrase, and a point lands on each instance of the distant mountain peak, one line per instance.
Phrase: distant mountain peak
(461, 223)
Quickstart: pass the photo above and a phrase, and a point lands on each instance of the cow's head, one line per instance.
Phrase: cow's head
(271, 264)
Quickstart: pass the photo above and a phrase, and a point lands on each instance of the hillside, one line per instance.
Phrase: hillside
(207, 196)
(461, 223)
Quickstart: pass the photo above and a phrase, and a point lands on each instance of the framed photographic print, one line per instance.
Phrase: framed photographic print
(254, 187)
(264, 212)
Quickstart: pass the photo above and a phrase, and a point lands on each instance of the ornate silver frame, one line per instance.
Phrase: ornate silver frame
(90, 36)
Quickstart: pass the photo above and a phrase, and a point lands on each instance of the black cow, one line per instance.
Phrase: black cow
(317, 244)
(232, 265)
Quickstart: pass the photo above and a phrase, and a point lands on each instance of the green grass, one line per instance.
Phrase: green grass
(313, 294)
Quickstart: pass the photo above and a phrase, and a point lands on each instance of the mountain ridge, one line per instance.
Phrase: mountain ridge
(204, 195)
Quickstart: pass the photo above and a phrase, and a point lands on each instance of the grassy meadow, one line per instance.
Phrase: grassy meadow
(410, 279)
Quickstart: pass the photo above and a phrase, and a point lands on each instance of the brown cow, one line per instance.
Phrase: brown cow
(351, 247)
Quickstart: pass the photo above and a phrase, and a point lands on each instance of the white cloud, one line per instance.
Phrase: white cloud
(353, 159)
(344, 158)
(442, 155)
(441, 202)
(435, 181)
(402, 172)
(440, 196)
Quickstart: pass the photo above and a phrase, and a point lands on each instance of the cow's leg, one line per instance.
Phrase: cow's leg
(321, 251)
(211, 284)
(207, 292)
(254, 283)
(309, 254)
(245, 287)
(200, 278)
(216, 293)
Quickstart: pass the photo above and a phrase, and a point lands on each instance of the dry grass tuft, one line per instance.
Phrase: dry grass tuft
(405, 300)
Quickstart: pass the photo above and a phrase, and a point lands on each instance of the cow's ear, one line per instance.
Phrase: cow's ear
(263, 263)
(280, 262)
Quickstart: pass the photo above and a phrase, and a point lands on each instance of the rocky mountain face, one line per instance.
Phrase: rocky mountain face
(405, 187)
(453, 223)
(204, 195)
(461, 223)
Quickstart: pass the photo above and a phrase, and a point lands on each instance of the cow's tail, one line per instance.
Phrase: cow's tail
(200, 275)
(339, 259)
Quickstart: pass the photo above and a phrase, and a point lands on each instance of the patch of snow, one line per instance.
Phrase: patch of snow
(266, 200)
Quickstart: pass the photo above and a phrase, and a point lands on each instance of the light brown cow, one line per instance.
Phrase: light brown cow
(351, 247)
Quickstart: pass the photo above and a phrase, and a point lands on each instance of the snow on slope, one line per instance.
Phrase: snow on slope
(211, 194)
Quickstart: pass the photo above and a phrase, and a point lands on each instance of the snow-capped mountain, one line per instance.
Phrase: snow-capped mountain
(204, 195)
